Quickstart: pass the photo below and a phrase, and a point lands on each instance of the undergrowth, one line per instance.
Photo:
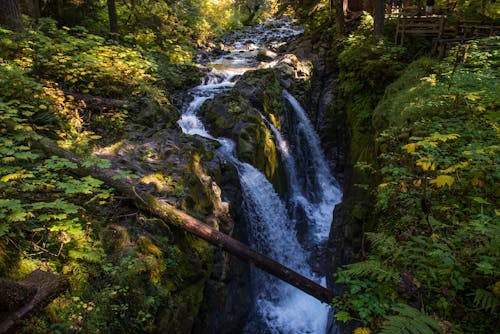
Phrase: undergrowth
(52, 219)
(432, 258)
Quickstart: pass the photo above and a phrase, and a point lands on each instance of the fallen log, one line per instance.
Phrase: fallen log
(38, 288)
(182, 220)
(98, 102)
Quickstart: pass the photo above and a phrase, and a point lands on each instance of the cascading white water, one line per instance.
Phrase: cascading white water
(279, 307)
(322, 192)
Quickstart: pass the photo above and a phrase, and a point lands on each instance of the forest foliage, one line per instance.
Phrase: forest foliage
(54, 220)
(430, 262)
(425, 139)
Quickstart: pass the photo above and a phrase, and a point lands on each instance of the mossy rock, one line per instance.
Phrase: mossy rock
(180, 317)
(263, 91)
(117, 239)
(237, 115)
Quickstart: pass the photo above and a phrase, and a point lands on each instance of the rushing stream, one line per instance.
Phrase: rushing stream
(273, 222)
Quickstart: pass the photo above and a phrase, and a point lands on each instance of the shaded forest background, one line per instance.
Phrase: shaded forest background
(423, 146)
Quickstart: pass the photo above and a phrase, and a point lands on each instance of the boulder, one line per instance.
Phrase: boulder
(237, 115)
(266, 55)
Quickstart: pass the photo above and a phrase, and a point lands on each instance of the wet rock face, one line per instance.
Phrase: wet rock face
(266, 55)
(295, 76)
(184, 171)
(237, 115)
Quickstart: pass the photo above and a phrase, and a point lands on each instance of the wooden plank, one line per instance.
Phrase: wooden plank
(422, 32)
(419, 25)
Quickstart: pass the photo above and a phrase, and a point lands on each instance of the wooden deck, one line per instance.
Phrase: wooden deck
(443, 36)
(462, 32)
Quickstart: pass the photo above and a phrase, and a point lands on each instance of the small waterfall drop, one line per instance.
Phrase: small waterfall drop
(273, 223)
(317, 184)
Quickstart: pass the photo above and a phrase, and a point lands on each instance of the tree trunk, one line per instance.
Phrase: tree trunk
(35, 10)
(368, 6)
(379, 17)
(356, 5)
(10, 15)
(44, 286)
(97, 102)
(180, 219)
(32, 8)
(339, 16)
(113, 19)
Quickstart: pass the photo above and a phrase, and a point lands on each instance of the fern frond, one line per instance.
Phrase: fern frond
(379, 238)
(373, 269)
(382, 242)
(486, 300)
(44, 117)
(410, 321)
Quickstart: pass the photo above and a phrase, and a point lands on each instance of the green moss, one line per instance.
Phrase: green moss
(9, 259)
(400, 109)
(199, 188)
(234, 108)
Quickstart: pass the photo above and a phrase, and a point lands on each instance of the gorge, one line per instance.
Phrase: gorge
(161, 160)
(292, 228)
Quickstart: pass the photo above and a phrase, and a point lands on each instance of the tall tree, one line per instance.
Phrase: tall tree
(339, 5)
(10, 15)
(35, 9)
(379, 16)
(113, 19)
(31, 7)
(368, 5)
(345, 7)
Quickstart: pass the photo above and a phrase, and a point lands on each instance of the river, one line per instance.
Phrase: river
(274, 221)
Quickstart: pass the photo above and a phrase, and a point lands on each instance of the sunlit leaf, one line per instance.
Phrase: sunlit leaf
(410, 148)
(342, 316)
(443, 137)
(456, 167)
(403, 187)
(442, 180)
(426, 164)
(480, 200)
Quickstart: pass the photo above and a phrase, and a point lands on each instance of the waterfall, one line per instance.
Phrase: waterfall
(317, 184)
(287, 229)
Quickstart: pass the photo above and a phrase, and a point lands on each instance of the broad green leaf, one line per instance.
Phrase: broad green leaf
(342, 316)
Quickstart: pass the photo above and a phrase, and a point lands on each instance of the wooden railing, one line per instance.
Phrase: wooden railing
(431, 26)
(461, 33)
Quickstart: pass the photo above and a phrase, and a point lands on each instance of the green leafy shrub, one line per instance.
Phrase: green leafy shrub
(437, 242)
(52, 219)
